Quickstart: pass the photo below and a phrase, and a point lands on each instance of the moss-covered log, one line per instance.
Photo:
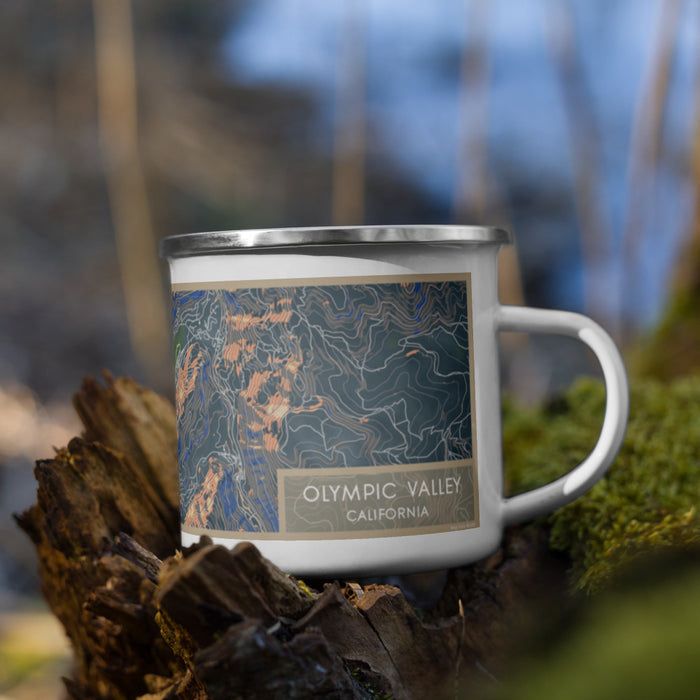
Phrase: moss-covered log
(149, 621)
(649, 499)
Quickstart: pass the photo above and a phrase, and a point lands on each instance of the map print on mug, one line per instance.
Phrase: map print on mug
(348, 420)
(352, 414)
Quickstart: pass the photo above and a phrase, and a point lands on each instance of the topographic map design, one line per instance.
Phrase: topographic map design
(313, 376)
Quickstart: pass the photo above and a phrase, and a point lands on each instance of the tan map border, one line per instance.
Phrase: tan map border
(353, 534)
(232, 285)
(283, 474)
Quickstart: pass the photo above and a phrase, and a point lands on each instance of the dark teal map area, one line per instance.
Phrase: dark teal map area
(313, 376)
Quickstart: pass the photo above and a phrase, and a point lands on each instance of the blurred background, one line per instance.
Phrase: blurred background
(576, 123)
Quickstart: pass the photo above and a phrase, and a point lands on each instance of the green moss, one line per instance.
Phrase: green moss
(672, 349)
(640, 641)
(359, 678)
(648, 499)
(305, 588)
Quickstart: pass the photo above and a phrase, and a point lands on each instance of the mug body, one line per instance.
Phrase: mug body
(338, 396)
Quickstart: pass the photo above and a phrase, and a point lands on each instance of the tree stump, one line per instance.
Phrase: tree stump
(147, 620)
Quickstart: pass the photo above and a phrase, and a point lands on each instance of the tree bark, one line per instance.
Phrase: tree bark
(149, 621)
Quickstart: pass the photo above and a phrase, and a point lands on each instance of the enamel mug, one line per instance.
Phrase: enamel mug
(338, 398)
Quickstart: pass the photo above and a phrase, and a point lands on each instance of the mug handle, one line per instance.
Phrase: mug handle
(567, 488)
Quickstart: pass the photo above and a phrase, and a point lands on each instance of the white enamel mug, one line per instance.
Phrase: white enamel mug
(338, 396)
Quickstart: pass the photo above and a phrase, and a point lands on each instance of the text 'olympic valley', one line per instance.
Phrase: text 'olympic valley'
(361, 493)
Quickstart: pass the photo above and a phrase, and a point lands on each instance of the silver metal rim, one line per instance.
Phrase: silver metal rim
(217, 242)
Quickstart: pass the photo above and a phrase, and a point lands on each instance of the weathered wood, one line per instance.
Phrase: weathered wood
(87, 494)
(250, 662)
(140, 425)
(148, 621)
